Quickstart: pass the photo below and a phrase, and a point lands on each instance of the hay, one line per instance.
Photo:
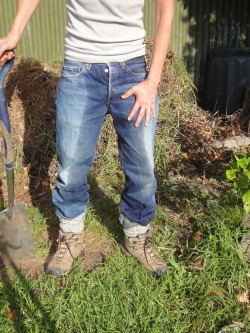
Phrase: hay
(30, 90)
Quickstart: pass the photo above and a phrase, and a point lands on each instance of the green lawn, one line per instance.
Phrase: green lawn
(197, 294)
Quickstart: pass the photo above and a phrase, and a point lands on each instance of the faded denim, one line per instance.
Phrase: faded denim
(86, 93)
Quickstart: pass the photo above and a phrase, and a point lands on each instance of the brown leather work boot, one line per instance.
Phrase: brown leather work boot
(70, 246)
(140, 248)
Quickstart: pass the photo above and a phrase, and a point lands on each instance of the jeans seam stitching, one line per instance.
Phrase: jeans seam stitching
(76, 75)
(135, 74)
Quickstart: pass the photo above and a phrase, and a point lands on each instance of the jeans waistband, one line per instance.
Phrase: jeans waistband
(132, 60)
(137, 59)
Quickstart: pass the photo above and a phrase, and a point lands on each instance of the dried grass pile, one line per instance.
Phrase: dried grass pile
(176, 89)
(30, 90)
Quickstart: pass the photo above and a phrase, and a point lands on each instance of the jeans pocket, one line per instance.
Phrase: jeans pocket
(136, 68)
(72, 69)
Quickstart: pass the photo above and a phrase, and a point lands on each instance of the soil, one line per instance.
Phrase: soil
(95, 253)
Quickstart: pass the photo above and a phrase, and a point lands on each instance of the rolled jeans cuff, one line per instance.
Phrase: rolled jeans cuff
(74, 225)
(131, 228)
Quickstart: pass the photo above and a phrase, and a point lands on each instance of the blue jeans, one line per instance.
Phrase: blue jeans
(86, 93)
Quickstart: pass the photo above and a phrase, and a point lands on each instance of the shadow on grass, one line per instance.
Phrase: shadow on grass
(179, 195)
(21, 300)
(106, 208)
(23, 304)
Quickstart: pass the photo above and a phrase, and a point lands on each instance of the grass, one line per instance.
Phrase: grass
(120, 296)
(206, 270)
(197, 294)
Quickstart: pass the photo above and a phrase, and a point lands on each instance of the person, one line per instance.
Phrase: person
(104, 72)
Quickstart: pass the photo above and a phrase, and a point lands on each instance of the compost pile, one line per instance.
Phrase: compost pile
(30, 90)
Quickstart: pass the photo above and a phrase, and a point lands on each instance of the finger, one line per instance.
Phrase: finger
(7, 55)
(2, 49)
(133, 111)
(141, 114)
(10, 55)
(153, 111)
(147, 117)
(4, 58)
(128, 93)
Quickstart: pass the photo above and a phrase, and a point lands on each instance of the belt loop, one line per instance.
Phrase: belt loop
(88, 66)
(122, 64)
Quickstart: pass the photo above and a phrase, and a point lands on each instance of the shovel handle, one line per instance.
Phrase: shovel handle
(4, 117)
(6, 68)
(6, 131)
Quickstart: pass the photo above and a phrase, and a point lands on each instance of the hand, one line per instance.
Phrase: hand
(6, 45)
(144, 105)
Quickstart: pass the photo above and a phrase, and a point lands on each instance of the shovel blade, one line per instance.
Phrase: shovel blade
(16, 239)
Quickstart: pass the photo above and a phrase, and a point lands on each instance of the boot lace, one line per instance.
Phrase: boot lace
(149, 251)
(64, 245)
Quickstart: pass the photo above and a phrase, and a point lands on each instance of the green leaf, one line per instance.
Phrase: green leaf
(231, 174)
(247, 207)
(247, 155)
(233, 165)
(242, 182)
(246, 196)
(247, 173)
(235, 158)
(246, 201)
(243, 163)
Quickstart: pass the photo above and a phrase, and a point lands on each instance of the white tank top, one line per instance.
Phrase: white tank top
(102, 31)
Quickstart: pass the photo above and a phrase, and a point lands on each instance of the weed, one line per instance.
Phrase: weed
(239, 173)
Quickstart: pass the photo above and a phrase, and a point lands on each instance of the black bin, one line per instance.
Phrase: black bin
(227, 77)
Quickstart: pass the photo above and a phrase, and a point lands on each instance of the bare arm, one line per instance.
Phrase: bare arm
(25, 10)
(145, 92)
(164, 10)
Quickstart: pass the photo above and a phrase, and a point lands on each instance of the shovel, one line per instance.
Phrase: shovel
(16, 239)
